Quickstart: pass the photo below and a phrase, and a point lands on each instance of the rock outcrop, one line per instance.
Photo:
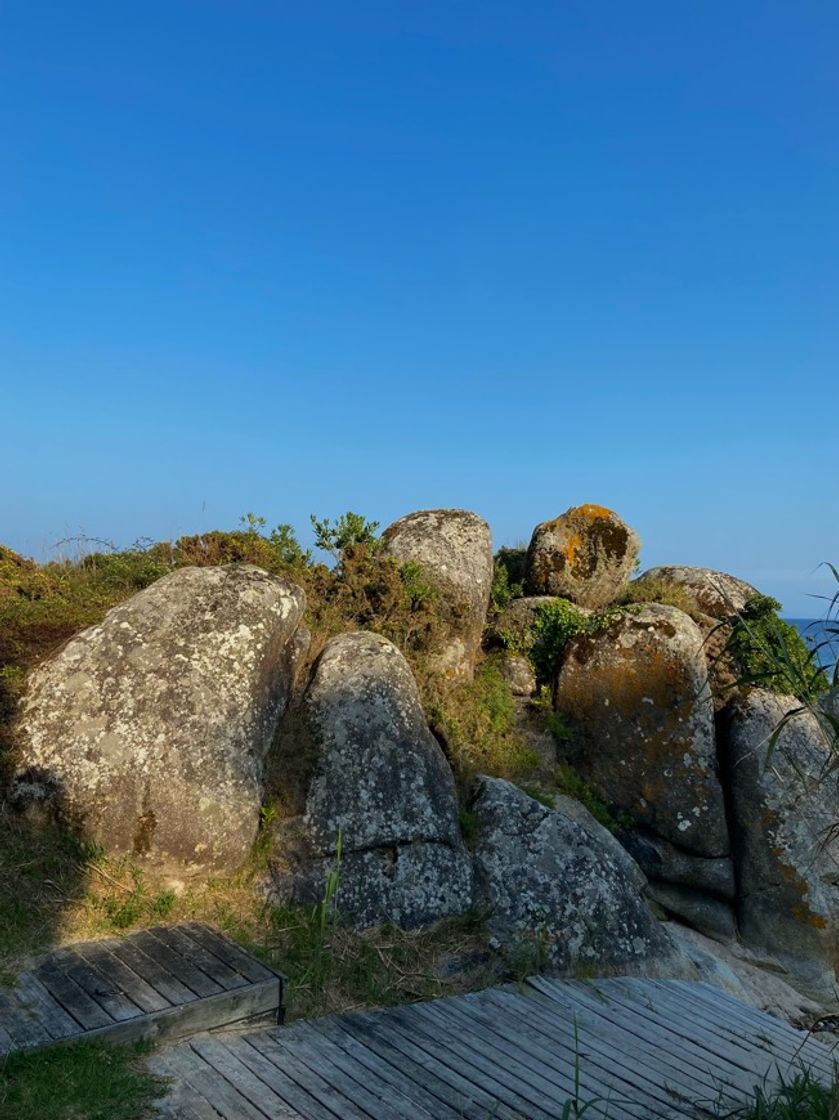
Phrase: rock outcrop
(454, 549)
(715, 593)
(586, 555)
(643, 729)
(150, 730)
(557, 891)
(785, 806)
(382, 784)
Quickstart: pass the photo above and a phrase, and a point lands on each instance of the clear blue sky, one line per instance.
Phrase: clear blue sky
(307, 257)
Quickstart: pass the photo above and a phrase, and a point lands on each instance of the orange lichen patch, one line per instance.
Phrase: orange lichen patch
(590, 512)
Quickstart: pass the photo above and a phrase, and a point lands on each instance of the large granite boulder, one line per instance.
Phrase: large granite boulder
(785, 806)
(382, 784)
(714, 593)
(587, 555)
(558, 890)
(637, 698)
(454, 549)
(150, 730)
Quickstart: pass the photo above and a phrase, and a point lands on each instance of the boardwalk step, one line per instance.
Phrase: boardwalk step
(168, 982)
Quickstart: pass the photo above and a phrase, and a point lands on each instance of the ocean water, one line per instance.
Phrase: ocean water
(815, 634)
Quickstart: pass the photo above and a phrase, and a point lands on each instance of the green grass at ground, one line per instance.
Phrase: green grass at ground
(78, 1081)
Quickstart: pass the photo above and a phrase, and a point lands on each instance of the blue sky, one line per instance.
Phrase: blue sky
(298, 258)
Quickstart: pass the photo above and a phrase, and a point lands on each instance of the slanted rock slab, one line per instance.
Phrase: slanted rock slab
(150, 730)
(382, 784)
(558, 890)
(636, 694)
(715, 593)
(586, 555)
(454, 549)
(785, 802)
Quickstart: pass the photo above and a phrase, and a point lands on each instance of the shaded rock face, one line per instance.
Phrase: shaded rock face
(587, 555)
(556, 888)
(703, 912)
(150, 730)
(715, 593)
(664, 862)
(518, 672)
(454, 548)
(637, 696)
(382, 782)
(785, 807)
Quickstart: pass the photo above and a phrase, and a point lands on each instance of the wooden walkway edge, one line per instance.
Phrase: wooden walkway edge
(644, 1050)
(160, 983)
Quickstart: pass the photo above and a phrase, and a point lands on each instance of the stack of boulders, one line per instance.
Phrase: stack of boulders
(152, 732)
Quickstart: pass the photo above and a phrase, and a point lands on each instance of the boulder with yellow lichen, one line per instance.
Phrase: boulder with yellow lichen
(587, 555)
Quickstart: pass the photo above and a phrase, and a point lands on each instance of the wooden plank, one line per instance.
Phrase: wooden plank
(331, 1098)
(464, 1099)
(601, 1071)
(139, 991)
(22, 1027)
(150, 970)
(344, 1074)
(614, 1050)
(179, 940)
(182, 1102)
(232, 954)
(208, 1083)
(461, 1055)
(631, 1035)
(30, 993)
(97, 985)
(296, 1098)
(188, 974)
(256, 1090)
(518, 1086)
(422, 1102)
(87, 1012)
(800, 1044)
(751, 1032)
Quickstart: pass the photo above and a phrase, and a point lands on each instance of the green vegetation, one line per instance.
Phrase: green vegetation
(770, 652)
(507, 578)
(800, 1097)
(476, 723)
(78, 1081)
(569, 782)
(349, 529)
(657, 590)
(556, 623)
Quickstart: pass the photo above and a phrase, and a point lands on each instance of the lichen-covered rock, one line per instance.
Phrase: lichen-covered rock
(150, 730)
(663, 862)
(586, 555)
(715, 593)
(518, 672)
(454, 549)
(381, 782)
(785, 804)
(556, 889)
(637, 697)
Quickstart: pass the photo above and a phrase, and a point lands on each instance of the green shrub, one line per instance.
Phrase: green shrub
(508, 577)
(348, 529)
(569, 782)
(557, 622)
(770, 652)
(658, 590)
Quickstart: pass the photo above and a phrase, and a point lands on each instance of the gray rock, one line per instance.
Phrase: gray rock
(557, 890)
(703, 912)
(150, 730)
(518, 672)
(454, 549)
(382, 783)
(661, 860)
(637, 697)
(586, 555)
(715, 593)
(600, 835)
(785, 804)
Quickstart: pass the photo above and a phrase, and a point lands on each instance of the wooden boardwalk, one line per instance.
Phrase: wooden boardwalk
(159, 983)
(648, 1049)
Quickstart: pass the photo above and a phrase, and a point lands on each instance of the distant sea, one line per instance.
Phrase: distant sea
(814, 634)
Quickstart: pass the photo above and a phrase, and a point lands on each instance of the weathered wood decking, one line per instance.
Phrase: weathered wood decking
(159, 983)
(649, 1049)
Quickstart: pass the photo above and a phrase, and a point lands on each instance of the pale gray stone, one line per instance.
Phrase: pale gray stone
(150, 730)
(715, 593)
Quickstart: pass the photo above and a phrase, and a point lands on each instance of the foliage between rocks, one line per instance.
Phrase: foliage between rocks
(508, 577)
(78, 1081)
(770, 652)
(657, 590)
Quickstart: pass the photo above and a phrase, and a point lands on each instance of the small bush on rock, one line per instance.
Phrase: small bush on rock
(770, 652)
(556, 624)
